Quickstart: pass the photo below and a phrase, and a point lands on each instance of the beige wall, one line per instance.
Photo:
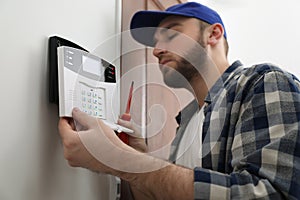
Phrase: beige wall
(31, 154)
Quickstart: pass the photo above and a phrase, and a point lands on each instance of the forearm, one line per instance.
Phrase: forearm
(139, 195)
(174, 182)
(168, 182)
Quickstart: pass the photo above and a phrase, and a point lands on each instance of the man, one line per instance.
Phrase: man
(239, 139)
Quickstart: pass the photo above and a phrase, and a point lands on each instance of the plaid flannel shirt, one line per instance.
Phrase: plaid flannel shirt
(251, 136)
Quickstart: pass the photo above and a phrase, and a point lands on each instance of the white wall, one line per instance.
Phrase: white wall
(262, 31)
(32, 166)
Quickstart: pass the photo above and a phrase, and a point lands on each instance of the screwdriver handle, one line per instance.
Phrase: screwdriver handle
(126, 116)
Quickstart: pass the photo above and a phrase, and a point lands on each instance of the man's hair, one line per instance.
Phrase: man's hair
(203, 25)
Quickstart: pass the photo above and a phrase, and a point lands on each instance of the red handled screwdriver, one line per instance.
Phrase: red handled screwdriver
(126, 116)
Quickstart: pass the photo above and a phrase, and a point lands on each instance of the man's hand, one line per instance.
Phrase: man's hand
(79, 154)
(96, 147)
(136, 140)
(74, 151)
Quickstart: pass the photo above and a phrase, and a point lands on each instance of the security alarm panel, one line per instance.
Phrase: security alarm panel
(82, 84)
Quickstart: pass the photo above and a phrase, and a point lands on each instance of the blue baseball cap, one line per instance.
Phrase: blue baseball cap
(143, 20)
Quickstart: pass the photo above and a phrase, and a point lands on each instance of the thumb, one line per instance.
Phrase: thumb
(125, 123)
(130, 125)
(83, 119)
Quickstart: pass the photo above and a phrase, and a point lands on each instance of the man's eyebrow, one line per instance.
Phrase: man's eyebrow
(162, 30)
(169, 26)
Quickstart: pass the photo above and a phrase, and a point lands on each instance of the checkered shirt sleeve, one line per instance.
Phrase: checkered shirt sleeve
(251, 137)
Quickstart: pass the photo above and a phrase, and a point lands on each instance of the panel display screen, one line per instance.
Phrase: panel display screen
(91, 65)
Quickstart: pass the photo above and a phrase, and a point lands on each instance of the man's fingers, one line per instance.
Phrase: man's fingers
(125, 123)
(83, 119)
(64, 127)
(130, 125)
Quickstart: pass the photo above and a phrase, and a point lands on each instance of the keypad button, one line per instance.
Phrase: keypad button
(93, 101)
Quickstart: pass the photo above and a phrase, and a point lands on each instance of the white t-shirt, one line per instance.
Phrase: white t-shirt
(190, 147)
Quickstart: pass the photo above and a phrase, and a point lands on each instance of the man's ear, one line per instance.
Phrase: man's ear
(216, 33)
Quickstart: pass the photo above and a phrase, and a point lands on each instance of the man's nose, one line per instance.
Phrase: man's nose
(158, 51)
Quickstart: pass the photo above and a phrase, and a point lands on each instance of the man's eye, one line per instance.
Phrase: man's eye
(171, 36)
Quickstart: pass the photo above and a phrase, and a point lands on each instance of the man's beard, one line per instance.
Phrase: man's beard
(189, 66)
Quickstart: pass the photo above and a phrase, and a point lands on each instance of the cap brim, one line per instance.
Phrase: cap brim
(144, 23)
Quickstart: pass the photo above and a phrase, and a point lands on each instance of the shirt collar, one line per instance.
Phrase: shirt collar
(223, 80)
(187, 112)
(192, 107)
